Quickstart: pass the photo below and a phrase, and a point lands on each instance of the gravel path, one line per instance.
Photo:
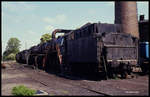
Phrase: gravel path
(16, 74)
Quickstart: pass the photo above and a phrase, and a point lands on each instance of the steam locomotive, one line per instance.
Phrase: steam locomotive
(93, 48)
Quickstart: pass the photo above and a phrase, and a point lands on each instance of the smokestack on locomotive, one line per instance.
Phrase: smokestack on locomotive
(126, 15)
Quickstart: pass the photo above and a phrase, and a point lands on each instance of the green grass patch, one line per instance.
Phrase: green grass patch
(21, 90)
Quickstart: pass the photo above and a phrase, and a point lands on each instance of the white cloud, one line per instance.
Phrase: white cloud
(31, 32)
(49, 28)
(48, 20)
(58, 19)
(18, 6)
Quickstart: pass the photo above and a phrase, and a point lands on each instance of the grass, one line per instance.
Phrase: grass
(21, 90)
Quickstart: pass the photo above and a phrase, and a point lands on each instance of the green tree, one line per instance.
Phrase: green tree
(46, 37)
(12, 48)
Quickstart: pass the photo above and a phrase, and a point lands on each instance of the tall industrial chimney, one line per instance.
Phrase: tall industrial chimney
(126, 15)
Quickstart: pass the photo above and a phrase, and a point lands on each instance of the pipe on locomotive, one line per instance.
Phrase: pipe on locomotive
(59, 31)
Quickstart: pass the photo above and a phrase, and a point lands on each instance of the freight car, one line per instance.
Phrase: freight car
(92, 49)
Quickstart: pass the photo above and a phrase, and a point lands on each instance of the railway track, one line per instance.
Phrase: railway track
(46, 84)
(41, 75)
(102, 88)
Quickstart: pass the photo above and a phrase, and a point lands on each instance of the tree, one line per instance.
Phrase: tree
(12, 48)
(46, 37)
(13, 45)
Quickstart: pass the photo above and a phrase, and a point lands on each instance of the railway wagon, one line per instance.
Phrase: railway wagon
(98, 47)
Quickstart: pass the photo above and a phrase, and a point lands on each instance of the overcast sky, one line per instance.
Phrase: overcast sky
(27, 21)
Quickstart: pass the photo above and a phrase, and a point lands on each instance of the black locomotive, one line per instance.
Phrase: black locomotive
(93, 48)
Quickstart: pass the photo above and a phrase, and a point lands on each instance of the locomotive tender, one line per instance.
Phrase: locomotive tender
(93, 48)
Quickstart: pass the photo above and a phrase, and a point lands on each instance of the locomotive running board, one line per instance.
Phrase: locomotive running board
(121, 60)
(118, 46)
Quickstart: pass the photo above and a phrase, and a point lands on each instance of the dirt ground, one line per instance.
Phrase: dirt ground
(19, 74)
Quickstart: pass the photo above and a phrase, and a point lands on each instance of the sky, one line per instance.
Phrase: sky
(27, 21)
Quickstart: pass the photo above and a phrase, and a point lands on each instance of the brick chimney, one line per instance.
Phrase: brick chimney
(126, 15)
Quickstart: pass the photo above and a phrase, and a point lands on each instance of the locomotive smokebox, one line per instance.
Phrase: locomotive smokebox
(126, 15)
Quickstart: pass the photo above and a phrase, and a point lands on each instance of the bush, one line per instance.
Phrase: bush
(9, 57)
(21, 90)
